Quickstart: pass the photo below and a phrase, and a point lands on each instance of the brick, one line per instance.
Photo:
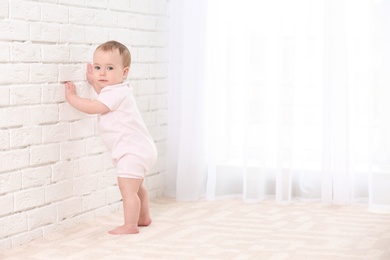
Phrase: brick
(108, 179)
(53, 93)
(69, 208)
(85, 185)
(76, 2)
(26, 52)
(27, 199)
(44, 154)
(163, 25)
(55, 133)
(146, 55)
(146, 87)
(86, 90)
(113, 195)
(96, 35)
(120, 34)
(52, 13)
(162, 86)
(13, 224)
(14, 73)
(94, 200)
(36, 177)
(162, 55)
(108, 18)
(140, 38)
(25, 136)
(7, 204)
(159, 70)
(162, 116)
(72, 150)
(14, 116)
(158, 102)
(55, 53)
(26, 237)
(153, 182)
(107, 163)
(64, 170)
(14, 30)
(5, 243)
(4, 7)
(159, 40)
(25, 10)
(127, 20)
(44, 114)
(90, 165)
(147, 22)
(70, 33)
(81, 53)
(94, 3)
(26, 95)
(4, 139)
(41, 216)
(121, 5)
(10, 181)
(159, 7)
(44, 32)
(72, 72)
(149, 117)
(140, 71)
(94, 145)
(58, 191)
(5, 52)
(82, 128)
(69, 113)
(4, 97)
(81, 16)
(43, 73)
(158, 132)
(140, 6)
(11, 160)
(142, 103)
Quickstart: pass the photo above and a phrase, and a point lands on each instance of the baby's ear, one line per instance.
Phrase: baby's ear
(125, 72)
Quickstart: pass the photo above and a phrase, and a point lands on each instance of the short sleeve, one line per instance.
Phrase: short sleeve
(111, 97)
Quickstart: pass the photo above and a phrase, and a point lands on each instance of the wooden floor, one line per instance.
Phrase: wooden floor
(227, 229)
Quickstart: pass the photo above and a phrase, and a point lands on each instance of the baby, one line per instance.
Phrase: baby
(122, 129)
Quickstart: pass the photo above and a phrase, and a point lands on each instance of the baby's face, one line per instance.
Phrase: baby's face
(108, 69)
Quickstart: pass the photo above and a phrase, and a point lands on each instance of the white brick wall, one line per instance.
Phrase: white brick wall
(54, 169)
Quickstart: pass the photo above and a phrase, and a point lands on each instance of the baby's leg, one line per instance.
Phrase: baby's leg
(144, 215)
(129, 188)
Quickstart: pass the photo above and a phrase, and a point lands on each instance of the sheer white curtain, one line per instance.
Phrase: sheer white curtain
(284, 99)
(186, 157)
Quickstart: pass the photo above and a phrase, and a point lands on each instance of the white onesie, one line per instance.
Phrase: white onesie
(124, 132)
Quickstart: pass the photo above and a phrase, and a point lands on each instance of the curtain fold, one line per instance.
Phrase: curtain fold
(186, 154)
(282, 99)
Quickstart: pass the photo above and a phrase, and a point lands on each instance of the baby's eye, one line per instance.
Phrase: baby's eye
(97, 67)
(110, 68)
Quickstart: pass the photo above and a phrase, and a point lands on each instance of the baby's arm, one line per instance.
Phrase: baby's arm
(83, 104)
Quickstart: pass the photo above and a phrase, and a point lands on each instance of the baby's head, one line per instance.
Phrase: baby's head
(111, 63)
(112, 46)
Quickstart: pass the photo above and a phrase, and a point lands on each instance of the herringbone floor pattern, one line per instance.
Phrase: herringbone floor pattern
(226, 229)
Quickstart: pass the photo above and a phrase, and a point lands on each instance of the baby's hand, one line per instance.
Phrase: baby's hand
(89, 74)
(70, 90)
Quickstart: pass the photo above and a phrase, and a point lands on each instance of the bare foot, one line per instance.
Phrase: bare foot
(123, 230)
(144, 221)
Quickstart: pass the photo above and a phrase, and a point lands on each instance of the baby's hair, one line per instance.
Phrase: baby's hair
(123, 50)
